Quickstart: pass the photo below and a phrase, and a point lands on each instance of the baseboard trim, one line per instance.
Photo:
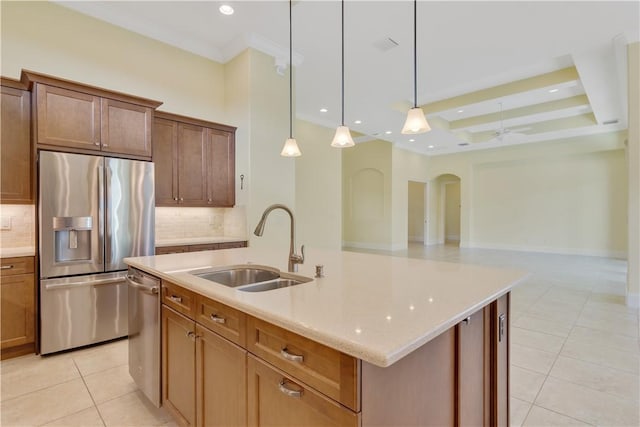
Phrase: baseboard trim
(374, 246)
(549, 250)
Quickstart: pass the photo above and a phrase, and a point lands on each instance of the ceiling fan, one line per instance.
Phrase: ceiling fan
(513, 135)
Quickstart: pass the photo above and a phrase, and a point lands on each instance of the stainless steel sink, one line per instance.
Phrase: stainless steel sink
(240, 275)
(251, 278)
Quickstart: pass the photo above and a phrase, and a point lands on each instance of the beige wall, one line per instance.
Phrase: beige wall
(318, 187)
(633, 162)
(51, 39)
(416, 195)
(566, 196)
(366, 191)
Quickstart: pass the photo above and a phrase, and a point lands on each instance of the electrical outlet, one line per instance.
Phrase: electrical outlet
(5, 223)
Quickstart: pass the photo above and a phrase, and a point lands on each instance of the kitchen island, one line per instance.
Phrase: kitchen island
(377, 341)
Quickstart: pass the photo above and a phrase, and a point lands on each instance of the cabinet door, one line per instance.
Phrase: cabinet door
(67, 118)
(192, 169)
(473, 370)
(17, 310)
(165, 158)
(15, 146)
(275, 399)
(221, 381)
(178, 366)
(221, 169)
(126, 128)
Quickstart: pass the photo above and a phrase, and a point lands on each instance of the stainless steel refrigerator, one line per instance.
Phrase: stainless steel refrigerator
(93, 212)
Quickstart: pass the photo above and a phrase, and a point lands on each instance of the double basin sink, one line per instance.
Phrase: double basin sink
(251, 278)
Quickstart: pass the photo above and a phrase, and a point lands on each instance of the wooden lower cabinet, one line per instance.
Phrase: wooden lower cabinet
(221, 381)
(17, 307)
(178, 367)
(203, 375)
(459, 378)
(162, 250)
(276, 399)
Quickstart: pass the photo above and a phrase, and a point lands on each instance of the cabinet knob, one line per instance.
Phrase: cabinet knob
(182, 199)
(209, 200)
(175, 198)
(96, 143)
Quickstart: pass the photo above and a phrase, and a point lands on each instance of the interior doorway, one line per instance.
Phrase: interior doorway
(416, 230)
(443, 209)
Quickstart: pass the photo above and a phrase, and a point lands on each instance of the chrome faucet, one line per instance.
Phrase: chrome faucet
(294, 259)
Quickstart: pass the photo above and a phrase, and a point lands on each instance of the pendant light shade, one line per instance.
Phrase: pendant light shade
(290, 148)
(416, 121)
(342, 138)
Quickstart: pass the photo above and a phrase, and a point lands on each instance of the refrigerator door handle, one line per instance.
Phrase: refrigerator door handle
(106, 214)
(101, 202)
(56, 286)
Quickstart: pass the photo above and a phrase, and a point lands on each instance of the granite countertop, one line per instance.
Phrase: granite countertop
(374, 307)
(17, 252)
(197, 241)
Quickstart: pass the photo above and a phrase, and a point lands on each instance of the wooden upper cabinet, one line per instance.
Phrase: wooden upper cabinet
(67, 118)
(221, 173)
(165, 158)
(84, 118)
(15, 146)
(192, 165)
(126, 128)
(195, 162)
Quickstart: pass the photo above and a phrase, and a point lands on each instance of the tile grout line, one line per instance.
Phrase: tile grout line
(95, 405)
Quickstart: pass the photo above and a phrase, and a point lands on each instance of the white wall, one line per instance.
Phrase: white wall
(452, 211)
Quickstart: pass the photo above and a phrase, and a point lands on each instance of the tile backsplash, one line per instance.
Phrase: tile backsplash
(177, 223)
(18, 226)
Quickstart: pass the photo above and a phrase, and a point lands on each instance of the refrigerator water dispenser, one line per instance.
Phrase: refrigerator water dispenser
(72, 238)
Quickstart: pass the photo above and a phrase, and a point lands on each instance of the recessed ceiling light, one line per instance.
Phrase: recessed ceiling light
(412, 140)
(460, 111)
(357, 122)
(226, 9)
(431, 146)
(388, 132)
(323, 110)
(553, 90)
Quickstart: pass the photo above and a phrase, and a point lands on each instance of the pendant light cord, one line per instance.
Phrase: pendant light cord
(342, 62)
(290, 76)
(415, 53)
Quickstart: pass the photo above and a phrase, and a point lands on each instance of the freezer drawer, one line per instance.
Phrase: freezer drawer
(82, 310)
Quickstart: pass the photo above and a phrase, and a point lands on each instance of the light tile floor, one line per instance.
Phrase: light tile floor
(575, 354)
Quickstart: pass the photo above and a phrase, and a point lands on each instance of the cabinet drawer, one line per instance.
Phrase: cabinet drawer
(203, 247)
(224, 320)
(327, 370)
(232, 245)
(18, 265)
(171, 250)
(178, 298)
(275, 398)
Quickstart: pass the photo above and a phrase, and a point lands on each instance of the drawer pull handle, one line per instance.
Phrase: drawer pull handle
(7, 267)
(175, 299)
(291, 357)
(286, 390)
(218, 319)
(192, 335)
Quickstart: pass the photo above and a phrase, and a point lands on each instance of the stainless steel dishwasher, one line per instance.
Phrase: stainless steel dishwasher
(144, 333)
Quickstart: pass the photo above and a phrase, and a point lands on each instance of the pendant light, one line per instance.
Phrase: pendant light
(416, 122)
(342, 138)
(290, 148)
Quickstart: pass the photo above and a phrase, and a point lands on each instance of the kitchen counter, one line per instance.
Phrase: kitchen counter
(17, 252)
(197, 241)
(373, 307)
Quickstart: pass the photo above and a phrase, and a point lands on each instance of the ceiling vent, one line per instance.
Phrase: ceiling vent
(385, 44)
